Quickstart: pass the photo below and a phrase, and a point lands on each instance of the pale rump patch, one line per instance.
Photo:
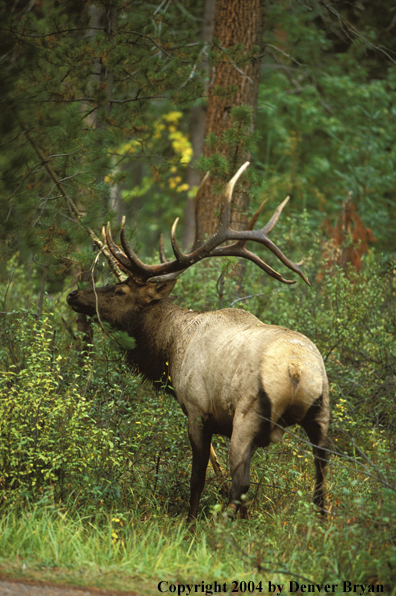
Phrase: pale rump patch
(292, 378)
(294, 374)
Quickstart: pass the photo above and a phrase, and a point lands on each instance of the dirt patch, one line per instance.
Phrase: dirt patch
(26, 587)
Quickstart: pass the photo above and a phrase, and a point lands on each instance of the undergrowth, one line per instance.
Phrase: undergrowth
(95, 466)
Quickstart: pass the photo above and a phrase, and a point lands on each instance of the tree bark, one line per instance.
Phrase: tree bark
(236, 22)
(197, 129)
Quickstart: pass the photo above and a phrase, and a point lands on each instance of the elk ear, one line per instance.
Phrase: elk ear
(160, 290)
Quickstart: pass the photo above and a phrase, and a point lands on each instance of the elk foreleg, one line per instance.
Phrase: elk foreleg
(200, 439)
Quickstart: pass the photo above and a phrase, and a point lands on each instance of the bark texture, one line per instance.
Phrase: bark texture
(197, 129)
(236, 22)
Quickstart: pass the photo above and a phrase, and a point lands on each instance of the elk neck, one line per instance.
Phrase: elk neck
(160, 330)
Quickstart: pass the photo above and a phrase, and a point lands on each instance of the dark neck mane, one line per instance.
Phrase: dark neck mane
(155, 333)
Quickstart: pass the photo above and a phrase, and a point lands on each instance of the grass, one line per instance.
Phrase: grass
(284, 540)
(96, 492)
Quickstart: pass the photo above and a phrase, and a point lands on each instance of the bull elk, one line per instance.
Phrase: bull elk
(231, 374)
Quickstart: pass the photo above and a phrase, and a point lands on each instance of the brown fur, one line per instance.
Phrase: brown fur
(231, 374)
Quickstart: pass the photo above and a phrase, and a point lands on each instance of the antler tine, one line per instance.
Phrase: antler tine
(231, 184)
(117, 268)
(237, 249)
(252, 222)
(183, 261)
(255, 216)
(272, 272)
(166, 276)
(203, 181)
(274, 219)
(198, 195)
(136, 265)
(115, 251)
(180, 257)
(162, 250)
(219, 236)
(225, 212)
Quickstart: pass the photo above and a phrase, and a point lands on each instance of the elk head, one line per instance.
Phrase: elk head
(121, 302)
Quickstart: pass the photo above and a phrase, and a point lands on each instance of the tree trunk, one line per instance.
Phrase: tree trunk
(197, 129)
(236, 22)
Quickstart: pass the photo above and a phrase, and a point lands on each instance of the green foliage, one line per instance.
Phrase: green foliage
(281, 543)
(49, 437)
(228, 151)
(325, 112)
(84, 91)
(96, 453)
(124, 341)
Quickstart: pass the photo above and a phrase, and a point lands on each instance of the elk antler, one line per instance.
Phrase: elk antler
(129, 261)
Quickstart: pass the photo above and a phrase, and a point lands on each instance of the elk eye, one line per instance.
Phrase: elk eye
(120, 292)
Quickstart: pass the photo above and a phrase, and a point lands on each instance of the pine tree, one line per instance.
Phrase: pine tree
(82, 89)
(235, 56)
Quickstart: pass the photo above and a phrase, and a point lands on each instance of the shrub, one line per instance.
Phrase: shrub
(49, 436)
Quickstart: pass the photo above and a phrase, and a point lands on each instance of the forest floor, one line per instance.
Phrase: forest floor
(25, 587)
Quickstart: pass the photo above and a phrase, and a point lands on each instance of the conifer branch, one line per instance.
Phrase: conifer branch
(73, 210)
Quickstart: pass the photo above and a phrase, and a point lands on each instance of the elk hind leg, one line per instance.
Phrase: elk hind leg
(318, 439)
(244, 442)
(240, 472)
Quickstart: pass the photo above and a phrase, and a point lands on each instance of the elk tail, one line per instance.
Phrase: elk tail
(295, 376)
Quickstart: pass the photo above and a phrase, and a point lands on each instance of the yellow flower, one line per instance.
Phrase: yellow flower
(130, 147)
(159, 127)
(172, 117)
(174, 181)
